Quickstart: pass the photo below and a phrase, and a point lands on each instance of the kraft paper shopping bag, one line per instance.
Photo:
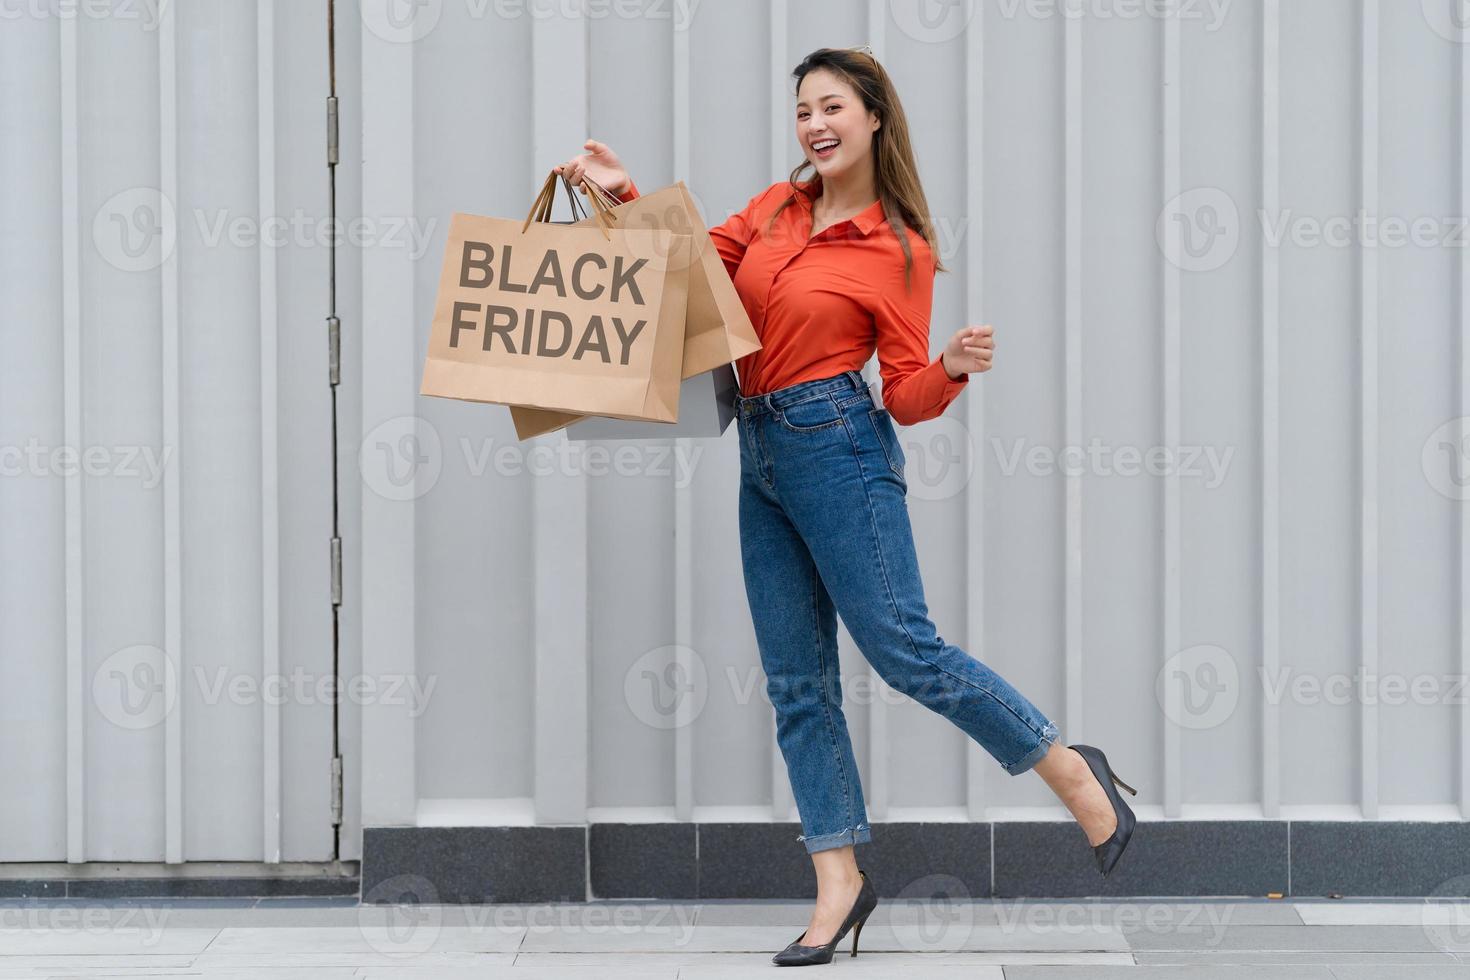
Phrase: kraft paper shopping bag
(584, 319)
(717, 329)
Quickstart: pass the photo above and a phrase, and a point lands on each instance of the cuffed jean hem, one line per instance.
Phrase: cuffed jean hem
(1049, 734)
(848, 835)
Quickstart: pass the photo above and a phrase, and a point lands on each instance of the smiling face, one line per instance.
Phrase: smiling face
(834, 129)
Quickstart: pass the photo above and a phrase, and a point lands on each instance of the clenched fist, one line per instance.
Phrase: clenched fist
(971, 349)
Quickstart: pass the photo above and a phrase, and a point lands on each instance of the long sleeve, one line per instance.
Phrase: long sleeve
(915, 388)
(731, 237)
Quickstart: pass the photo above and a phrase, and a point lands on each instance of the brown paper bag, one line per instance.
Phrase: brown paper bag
(717, 329)
(574, 319)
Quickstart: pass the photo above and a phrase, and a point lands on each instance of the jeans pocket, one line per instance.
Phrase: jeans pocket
(813, 415)
(888, 439)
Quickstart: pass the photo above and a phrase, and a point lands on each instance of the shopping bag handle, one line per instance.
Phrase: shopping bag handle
(541, 207)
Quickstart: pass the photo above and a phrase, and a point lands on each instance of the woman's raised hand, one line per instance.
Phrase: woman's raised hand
(601, 164)
(970, 349)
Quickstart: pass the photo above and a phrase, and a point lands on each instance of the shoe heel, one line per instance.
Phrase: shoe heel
(856, 930)
(1120, 782)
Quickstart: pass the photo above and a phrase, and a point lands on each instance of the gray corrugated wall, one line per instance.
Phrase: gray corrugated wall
(1156, 212)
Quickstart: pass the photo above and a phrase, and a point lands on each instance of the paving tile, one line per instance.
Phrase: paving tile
(1365, 939)
(1233, 972)
(419, 935)
(1303, 957)
(86, 940)
(1348, 971)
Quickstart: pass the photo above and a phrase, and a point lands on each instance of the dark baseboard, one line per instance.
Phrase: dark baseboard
(245, 887)
(962, 861)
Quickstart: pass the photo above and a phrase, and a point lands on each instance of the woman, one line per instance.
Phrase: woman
(830, 269)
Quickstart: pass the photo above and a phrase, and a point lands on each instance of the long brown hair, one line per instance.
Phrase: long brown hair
(895, 174)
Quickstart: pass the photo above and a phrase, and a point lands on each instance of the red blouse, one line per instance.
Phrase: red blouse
(821, 305)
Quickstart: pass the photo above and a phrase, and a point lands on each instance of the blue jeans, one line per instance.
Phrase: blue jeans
(824, 529)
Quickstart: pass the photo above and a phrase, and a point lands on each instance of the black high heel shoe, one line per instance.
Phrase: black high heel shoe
(798, 955)
(1108, 852)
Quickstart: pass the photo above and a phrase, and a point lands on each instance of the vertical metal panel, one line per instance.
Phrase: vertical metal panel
(684, 527)
(1073, 717)
(560, 507)
(173, 626)
(977, 761)
(878, 783)
(270, 516)
(390, 375)
(1270, 489)
(1368, 459)
(144, 561)
(1172, 790)
(76, 702)
(1463, 411)
(783, 804)
(40, 720)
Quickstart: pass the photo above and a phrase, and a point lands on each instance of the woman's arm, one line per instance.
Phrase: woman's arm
(915, 387)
